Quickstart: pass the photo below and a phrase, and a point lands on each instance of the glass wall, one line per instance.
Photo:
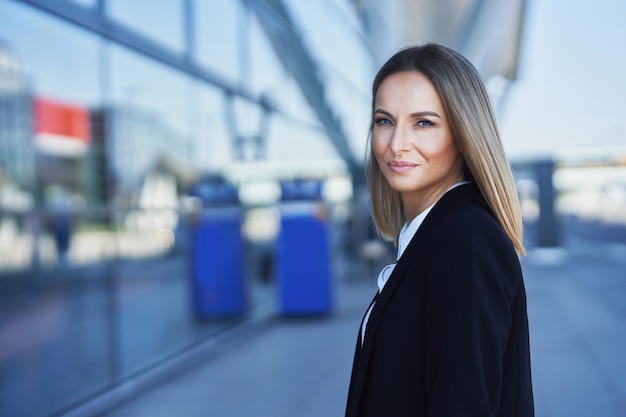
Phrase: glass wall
(220, 34)
(346, 66)
(106, 155)
(211, 147)
(147, 119)
(159, 20)
(53, 317)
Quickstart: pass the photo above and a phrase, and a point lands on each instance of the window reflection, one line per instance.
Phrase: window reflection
(293, 142)
(54, 343)
(148, 147)
(346, 84)
(87, 3)
(268, 75)
(342, 56)
(49, 94)
(270, 79)
(219, 36)
(148, 119)
(212, 145)
(61, 60)
(16, 147)
(161, 20)
(248, 123)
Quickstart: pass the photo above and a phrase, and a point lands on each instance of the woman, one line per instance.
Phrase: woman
(447, 333)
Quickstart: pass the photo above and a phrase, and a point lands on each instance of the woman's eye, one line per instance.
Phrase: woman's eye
(382, 121)
(424, 123)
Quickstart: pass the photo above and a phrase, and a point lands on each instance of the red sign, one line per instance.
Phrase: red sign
(59, 127)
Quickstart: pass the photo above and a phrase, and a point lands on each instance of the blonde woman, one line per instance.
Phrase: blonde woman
(447, 332)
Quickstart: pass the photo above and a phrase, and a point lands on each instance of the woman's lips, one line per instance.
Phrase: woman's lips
(400, 167)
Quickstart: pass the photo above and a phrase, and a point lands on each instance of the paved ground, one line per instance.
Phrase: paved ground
(279, 367)
(272, 367)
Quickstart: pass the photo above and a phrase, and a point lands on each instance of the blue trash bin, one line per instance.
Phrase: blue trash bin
(218, 278)
(218, 287)
(303, 269)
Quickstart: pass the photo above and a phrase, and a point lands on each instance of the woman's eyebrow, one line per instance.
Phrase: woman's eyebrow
(425, 113)
(385, 112)
(413, 115)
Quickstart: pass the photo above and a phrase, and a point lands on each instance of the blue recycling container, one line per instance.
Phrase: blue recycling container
(303, 270)
(218, 287)
(218, 276)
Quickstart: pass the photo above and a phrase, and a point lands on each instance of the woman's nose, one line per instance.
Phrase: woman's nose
(399, 143)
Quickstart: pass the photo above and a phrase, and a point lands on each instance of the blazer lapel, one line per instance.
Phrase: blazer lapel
(413, 253)
(357, 378)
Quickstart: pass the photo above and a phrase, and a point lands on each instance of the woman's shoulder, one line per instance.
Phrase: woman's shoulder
(470, 226)
(470, 239)
(463, 207)
(471, 215)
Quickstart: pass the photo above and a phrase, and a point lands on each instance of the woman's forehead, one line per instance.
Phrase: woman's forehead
(408, 88)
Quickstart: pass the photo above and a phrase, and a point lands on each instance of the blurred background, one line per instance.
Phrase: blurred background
(169, 168)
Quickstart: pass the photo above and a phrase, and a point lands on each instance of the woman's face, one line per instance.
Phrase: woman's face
(412, 142)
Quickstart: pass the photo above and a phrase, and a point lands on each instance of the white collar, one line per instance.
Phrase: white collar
(406, 235)
(408, 230)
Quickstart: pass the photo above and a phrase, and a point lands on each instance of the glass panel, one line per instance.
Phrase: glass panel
(148, 124)
(353, 107)
(150, 149)
(212, 146)
(349, 57)
(87, 3)
(54, 339)
(49, 93)
(268, 74)
(293, 143)
(53, 345)
(49, 97)
(249, 129)
(161, 20)
(270, 79)
(346, 67)
(218, 37)
(63, 65)
(155, 314)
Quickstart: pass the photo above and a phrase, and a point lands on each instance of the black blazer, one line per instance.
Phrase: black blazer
(448, 335)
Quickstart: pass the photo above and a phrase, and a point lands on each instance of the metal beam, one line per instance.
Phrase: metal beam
(94, 20)
(297, 60)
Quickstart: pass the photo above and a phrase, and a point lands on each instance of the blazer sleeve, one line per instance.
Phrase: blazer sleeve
(471, 283)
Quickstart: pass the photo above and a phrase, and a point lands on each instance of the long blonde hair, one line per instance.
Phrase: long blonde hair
(473, 125)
